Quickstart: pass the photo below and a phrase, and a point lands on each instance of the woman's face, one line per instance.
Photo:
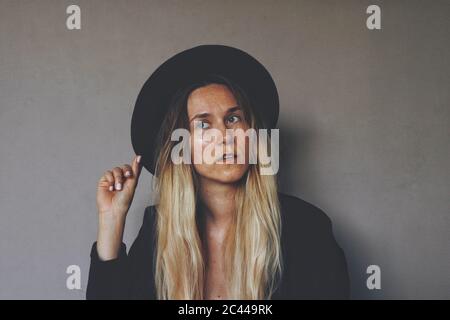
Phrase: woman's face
(215, 107)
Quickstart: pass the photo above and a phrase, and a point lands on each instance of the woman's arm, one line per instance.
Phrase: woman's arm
(108, 279)
(128, 276)
(115, 192)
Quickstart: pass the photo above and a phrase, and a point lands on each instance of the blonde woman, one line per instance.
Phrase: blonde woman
(219, 229)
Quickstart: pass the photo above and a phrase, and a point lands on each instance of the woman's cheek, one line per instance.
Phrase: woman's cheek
(199, 144)
(242, 146)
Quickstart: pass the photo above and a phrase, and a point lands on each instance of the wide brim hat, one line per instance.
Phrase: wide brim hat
(186, 67)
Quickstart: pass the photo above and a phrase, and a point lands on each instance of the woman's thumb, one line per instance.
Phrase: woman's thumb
(137, 167)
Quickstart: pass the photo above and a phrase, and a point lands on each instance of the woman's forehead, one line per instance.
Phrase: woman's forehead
(212, 99)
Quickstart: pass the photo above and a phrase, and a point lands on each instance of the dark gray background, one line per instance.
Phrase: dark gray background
(364, 126)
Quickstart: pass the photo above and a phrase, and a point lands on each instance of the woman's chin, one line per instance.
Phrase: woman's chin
(228, 173)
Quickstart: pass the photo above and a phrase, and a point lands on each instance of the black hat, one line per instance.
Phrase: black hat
(190, 65)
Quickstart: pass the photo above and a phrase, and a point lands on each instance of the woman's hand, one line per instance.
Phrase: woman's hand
(115, 192)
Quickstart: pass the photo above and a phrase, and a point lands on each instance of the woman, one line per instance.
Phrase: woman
(219, 230)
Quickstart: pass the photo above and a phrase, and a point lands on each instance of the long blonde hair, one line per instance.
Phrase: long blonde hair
(252, 247)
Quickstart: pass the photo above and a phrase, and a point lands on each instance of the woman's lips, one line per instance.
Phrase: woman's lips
(228, 155)
(225, 156)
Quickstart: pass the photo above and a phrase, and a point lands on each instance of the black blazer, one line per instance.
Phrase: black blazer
(314, 265)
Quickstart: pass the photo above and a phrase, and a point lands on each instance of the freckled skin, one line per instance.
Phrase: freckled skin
(215, 280)
(216, 100)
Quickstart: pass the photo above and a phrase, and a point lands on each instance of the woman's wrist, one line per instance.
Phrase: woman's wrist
(109, 238)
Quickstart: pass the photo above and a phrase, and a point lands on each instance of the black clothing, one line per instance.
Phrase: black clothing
(314, 265)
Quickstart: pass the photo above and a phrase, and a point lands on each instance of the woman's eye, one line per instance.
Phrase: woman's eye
(201, 125)
(234, 118)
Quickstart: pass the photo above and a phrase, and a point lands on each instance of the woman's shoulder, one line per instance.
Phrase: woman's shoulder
(298, 213)
(294, 212)
(315, 264)
(150, 214)
(148, 227)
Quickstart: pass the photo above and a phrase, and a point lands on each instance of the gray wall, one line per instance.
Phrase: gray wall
(365, 115)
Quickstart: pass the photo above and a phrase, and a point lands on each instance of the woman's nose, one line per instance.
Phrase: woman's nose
(227, 135)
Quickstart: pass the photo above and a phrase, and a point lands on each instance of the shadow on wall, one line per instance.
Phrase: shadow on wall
(295, 150)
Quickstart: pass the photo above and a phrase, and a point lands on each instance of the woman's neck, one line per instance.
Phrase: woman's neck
(218, 202)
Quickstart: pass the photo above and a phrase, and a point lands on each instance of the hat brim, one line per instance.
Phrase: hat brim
(154, 98)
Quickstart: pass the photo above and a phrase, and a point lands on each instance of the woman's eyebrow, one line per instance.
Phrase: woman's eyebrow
(200, 115)
(206, 114)
(233, 109)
